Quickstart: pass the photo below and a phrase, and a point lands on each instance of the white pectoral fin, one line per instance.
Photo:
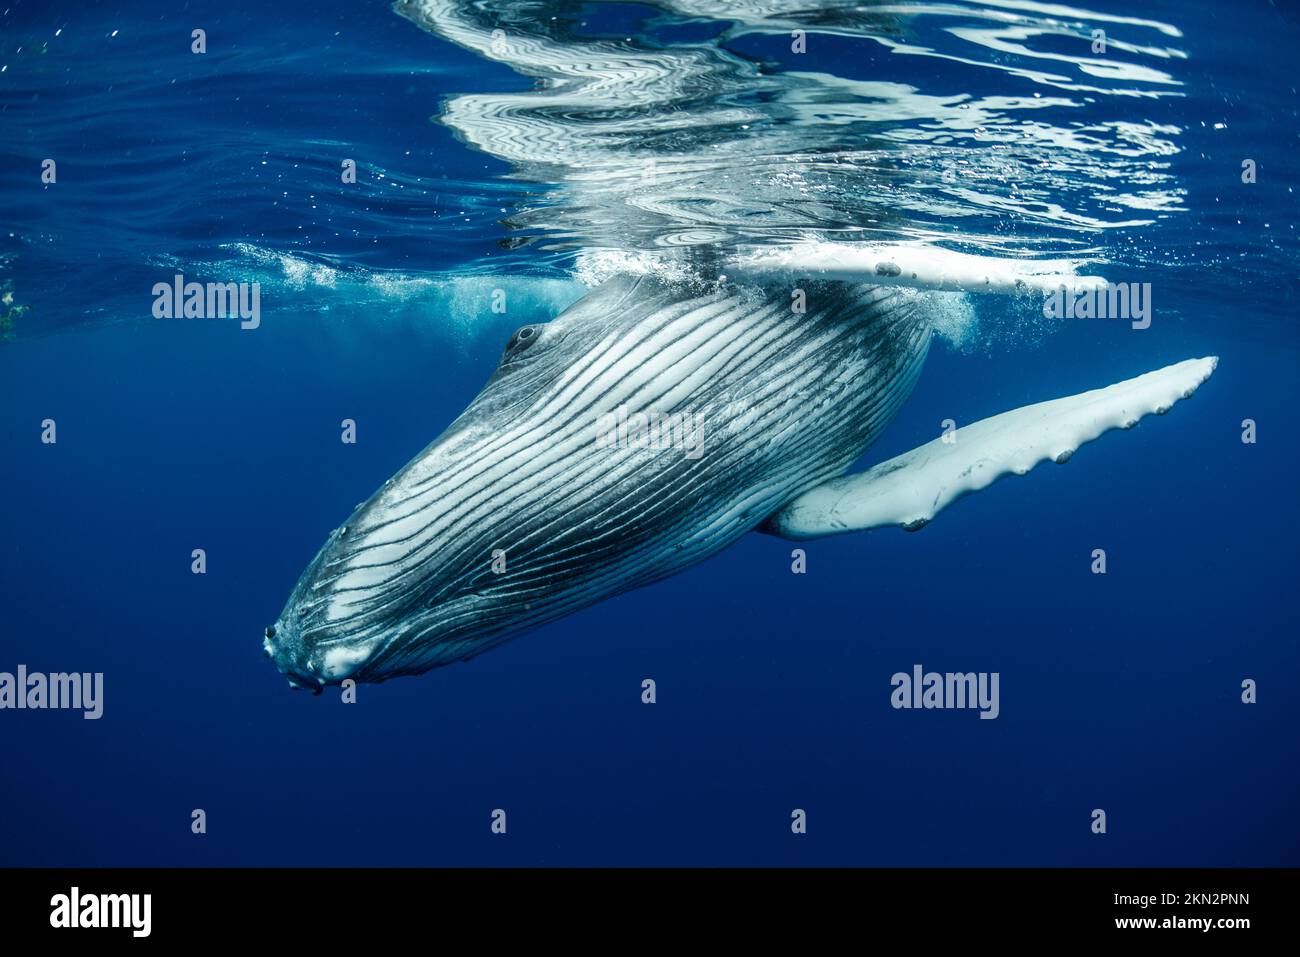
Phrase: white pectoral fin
(918, 265)
(911, 489)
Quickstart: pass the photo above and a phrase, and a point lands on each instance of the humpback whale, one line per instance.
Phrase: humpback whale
(519, 513)
(717, 182)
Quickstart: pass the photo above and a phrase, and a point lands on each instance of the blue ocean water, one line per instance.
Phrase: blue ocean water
(1120, 692)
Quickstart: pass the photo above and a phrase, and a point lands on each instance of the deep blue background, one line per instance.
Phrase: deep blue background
(1119, 692)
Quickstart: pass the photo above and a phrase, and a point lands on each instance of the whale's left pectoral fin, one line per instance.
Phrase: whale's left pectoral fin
(911, 489)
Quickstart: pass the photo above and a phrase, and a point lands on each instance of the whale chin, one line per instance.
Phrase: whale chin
(315, 664)
(291, 659)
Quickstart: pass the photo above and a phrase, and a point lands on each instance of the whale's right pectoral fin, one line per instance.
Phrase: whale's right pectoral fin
(911, 489)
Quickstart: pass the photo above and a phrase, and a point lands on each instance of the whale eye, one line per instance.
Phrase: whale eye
(523, 337)
(270, 631)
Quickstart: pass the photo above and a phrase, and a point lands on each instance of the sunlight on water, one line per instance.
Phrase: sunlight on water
(695, 146)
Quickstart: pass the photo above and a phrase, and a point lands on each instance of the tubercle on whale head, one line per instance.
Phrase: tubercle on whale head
(312, 668)
(287, 655)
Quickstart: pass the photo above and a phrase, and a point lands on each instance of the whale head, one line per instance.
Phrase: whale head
(645, 428)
